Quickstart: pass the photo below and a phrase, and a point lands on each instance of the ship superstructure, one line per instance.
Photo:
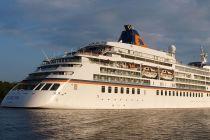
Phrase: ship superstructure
(114, 75)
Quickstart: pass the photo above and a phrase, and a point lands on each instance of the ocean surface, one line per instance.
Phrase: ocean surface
(145, 124)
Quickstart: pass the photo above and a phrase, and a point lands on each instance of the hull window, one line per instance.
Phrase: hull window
(122, 90)
(138, 91)
(169, 93)
(161, 92)
(133, 90)
(109, 89)
(103, 89)
(127, 90)
(115, 90)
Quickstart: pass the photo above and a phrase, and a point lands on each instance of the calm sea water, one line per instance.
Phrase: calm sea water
(104, 124)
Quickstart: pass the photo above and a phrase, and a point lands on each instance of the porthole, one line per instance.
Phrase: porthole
(109, 89)
(133, 90)
(127, 90)
(165, 92)
(103, 89)
(157, 92)
(115, 89)
(161, 92)
(138, 91)
(122, 90)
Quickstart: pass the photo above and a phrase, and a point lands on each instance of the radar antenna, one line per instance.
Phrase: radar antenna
(47, 58)
(203, 56)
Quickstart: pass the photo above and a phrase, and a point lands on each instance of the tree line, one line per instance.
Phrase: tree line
(4, 88)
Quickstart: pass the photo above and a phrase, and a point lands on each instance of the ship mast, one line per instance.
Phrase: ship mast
(203, 56)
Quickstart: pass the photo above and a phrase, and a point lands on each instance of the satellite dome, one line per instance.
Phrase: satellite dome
(172, 49)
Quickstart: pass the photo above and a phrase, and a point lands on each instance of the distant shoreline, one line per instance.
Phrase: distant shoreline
(2, 95)
(5, 87)
(1, 99)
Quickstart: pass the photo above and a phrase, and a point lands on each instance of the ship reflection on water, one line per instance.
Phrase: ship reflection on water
(104, 124)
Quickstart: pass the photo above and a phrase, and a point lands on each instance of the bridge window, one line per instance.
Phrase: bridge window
(39, 86)
(55, 87)
(25, 87)
(46, 87)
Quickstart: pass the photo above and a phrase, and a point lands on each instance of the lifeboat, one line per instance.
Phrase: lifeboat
(149, 72)
(166, 74)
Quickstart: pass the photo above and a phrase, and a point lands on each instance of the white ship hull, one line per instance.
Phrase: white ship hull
(88, 96)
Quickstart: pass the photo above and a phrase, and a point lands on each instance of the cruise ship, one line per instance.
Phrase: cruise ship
(125, 74)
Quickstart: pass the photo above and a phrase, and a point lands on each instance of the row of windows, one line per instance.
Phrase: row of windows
(119, 72)
(45, 74)
(118, 64)
(188, 86)
(40, 86)
(178, 93)
(182, 74)
(94, 49)
(188, 75)
(146, 60)
(53, 67)
(191, 70)
(47, 86)
(121, 90)
(120, 79)
(145, 57)
(190, 81)
(61, 60)
(199, 77)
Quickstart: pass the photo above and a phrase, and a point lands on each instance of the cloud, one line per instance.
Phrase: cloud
(73, 23)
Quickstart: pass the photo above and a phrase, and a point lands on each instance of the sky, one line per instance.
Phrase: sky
(29, 27)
